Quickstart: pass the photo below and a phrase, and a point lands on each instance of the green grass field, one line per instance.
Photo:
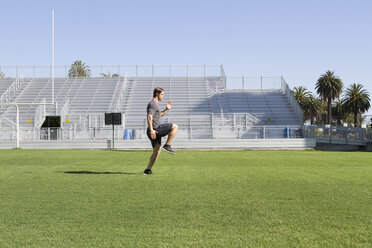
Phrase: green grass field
(98, 198)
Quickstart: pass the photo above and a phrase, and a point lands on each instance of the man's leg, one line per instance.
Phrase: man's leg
(154, 156)
(171, 134)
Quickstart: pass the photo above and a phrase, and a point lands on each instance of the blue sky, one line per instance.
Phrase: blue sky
(297, 39)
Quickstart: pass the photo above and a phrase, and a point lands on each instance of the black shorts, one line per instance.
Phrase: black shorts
(162, 130)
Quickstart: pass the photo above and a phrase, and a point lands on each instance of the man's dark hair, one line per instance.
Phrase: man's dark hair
(157, 91)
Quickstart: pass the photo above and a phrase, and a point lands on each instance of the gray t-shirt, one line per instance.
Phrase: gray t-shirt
(154, 110)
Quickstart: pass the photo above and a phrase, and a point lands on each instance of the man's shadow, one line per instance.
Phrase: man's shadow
(99, 173)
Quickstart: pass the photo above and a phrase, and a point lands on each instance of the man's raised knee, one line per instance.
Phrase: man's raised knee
(175, 126)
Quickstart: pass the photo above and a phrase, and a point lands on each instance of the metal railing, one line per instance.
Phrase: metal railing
(202, 132)
(253, 83)
(339, 135)
(120, 70)
(292, 100)
(5, 97)
(121, 97)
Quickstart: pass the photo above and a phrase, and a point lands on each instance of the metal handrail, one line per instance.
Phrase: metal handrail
(12, 88)
(121, 95)
(292, 100)
(10, 122)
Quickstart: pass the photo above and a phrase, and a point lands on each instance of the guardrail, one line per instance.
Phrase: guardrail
(203, 132)
(120, 70)
(292, 100)
(339, 135)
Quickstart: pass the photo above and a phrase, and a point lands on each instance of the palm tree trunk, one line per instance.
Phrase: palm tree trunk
(329, 111)
(355, 118)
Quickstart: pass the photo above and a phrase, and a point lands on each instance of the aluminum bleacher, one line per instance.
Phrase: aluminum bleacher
(202, 106)
(271, 107)
(189, 97)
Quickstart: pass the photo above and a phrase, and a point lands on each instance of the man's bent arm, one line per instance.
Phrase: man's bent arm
(164, 112)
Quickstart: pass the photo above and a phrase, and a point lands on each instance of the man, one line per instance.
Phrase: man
(156, 131)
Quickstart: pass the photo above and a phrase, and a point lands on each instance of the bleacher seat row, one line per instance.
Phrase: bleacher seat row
(195, 102)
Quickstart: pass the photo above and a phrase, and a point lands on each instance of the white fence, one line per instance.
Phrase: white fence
(121, 70)
(103, 133)
(339, 135)
(253, 83)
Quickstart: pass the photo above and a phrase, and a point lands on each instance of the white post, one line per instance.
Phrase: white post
(204, 71)
(74, 131)
(261, 82)
(212, 124)
(53, 56)
(17, 123)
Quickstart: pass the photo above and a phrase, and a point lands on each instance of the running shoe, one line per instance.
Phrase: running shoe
(168, 149)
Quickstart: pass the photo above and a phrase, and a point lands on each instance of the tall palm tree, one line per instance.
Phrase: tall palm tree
(79, 69)
(329, 87)
(357, 100)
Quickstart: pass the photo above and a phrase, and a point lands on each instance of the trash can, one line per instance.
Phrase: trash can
(128, 134)
(108, 144)
(136, 133)
(301, 133)
(287, 132)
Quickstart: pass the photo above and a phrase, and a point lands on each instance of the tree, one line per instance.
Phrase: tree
(2, 75)
(356, 100)
(313, 108)
(301, 94)
(321, 106)
(329, 87)
(108, 75)
(349, 118)
(79, 69)
(338, 110)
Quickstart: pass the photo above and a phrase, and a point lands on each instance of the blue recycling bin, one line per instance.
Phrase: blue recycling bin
(287, 132)
(128, 134)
